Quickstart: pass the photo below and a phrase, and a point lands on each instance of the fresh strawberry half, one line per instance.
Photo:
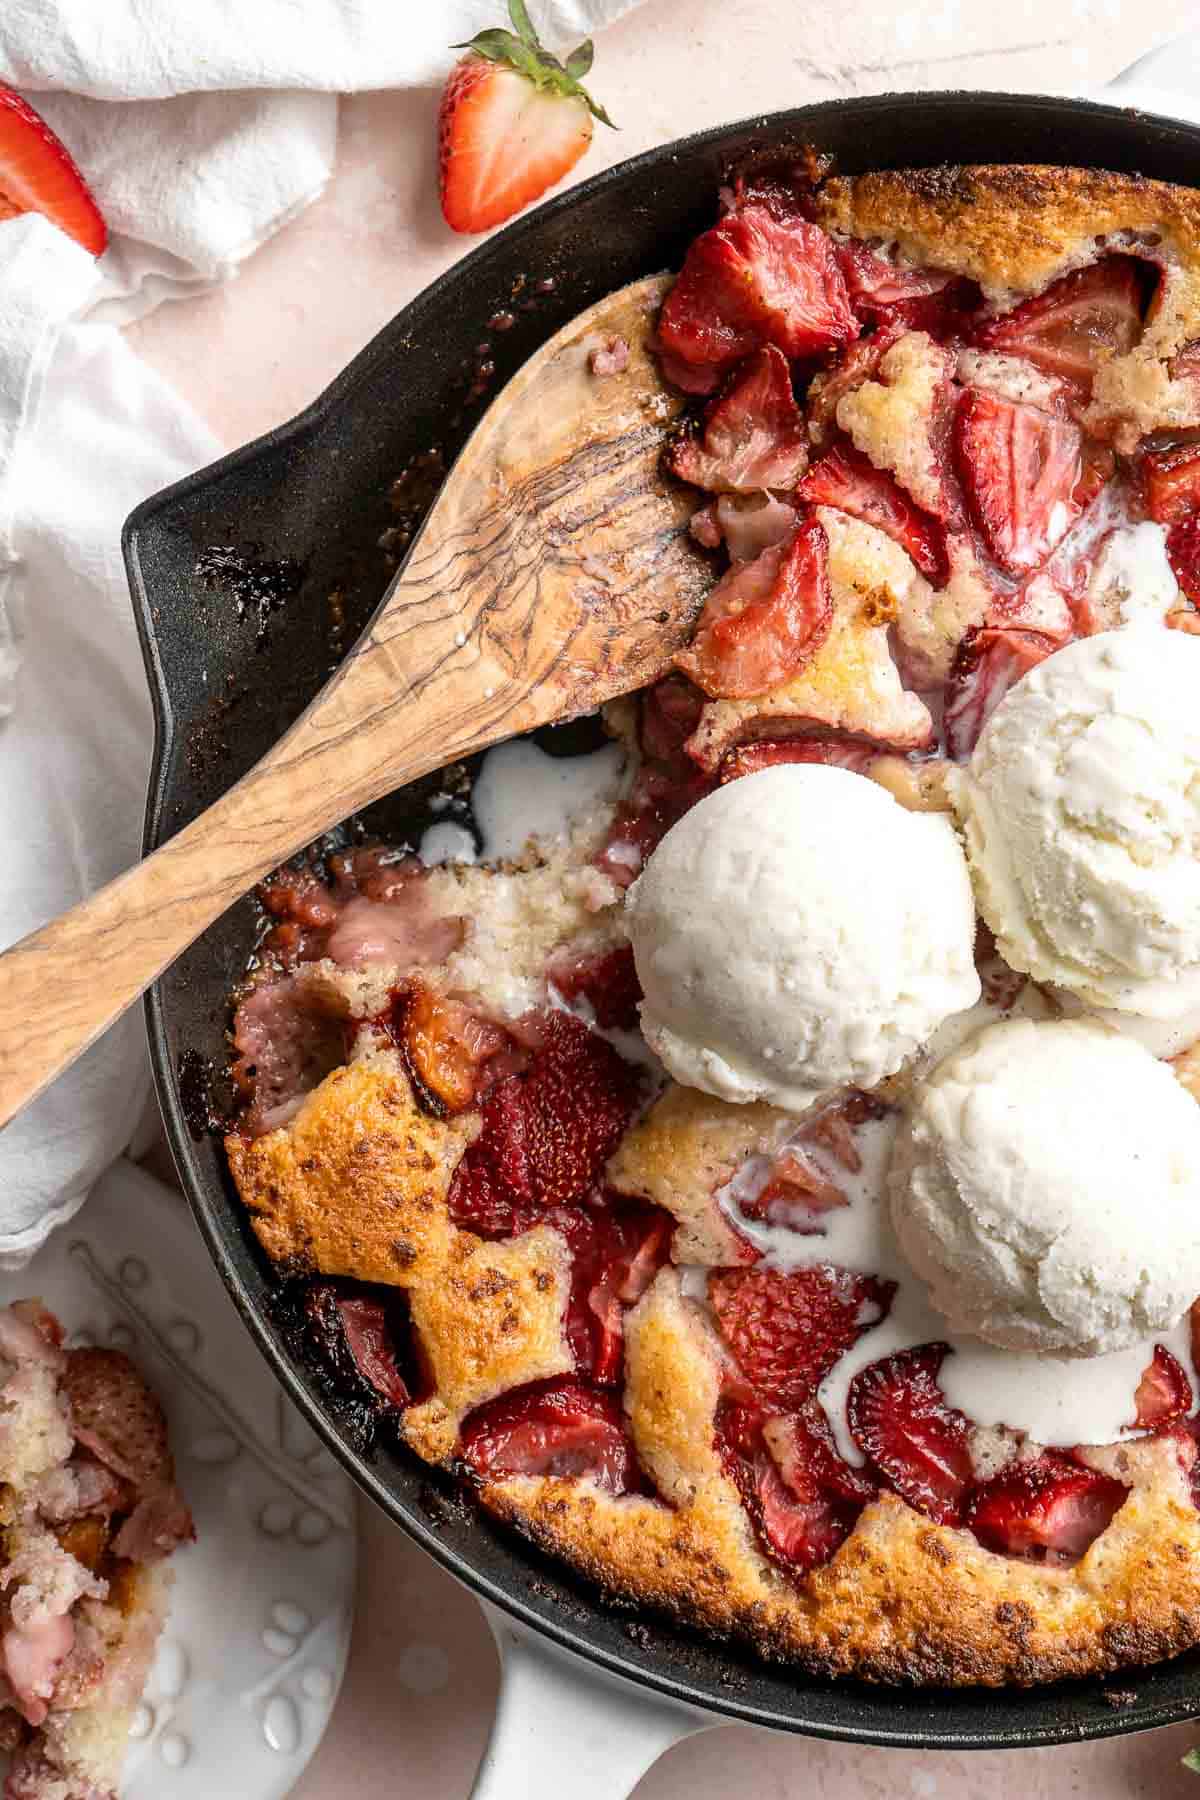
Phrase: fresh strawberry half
(38, 174)
(836, 752)
(785, 1331)
(849, 481)
(616, 1252)
(558, 1428)
(547, 1133)
(1048, 1510)
(799, 1522)
(1020, 469)
(898, 1417)
(756, 279)
(988, 661)
(1171, 471)
(1183, 554)
(754, 434)
(1080, 321)
(764, 620)
(1164, 1393)
(513, 121)
(606, 979)
(445, 1043)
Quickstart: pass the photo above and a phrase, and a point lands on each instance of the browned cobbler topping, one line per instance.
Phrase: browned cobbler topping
(924, 407)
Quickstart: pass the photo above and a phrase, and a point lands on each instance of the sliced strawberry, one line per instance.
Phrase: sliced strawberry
(1183, 554)
(606, 979)
(1049, 1510)
(559, 1428)
(354, 1335)
(1079, 322)
(797, 1192)
(882, 291)
(446, 1044)
(1164, 1393)
(849, 481)
(1019, 468)
(764, 620)
(786, 1331)
(700, 379)
(658, 798)
(898, 1417)
(1099, 467)
(546, 1133)
(38, 174)
(754, 434)
(670, 713)
(513, 120)
(856, 365)
(756, 279)
(751, 524)
(837, 752)
(616, 1252)
(803, 1448)
(989, 660)
(799, 1524)
(1171, 470)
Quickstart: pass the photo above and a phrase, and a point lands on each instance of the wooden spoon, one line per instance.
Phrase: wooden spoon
(554, 571)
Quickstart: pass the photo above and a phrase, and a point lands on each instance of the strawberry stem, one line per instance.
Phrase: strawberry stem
(521, 49)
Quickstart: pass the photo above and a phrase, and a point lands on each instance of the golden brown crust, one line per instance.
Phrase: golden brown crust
(903, 1600)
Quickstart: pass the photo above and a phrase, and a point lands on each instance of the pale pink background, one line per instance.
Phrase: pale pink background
(413, 1715)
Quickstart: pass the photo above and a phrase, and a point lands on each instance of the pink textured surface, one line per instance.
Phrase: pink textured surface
(414, 1713)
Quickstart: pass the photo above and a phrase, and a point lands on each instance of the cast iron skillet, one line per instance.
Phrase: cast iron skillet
(314, 495)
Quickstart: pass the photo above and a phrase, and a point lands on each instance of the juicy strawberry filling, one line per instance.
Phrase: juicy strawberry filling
(446, 1045)
(800, 1521)
(1171, 472)
(558, 1428)
(845, 479)
(606, 979)
(764, 620)
(1164, 1393)
(1020, 469)
(786, 1331)
(361, 1336)
(1049, 1510)
(989, 660)
(754, 435)
(902, 1424)
(1078, 323)
(616, 1252)
(837, 752)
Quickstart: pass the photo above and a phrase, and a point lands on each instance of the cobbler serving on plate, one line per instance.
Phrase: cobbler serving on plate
(776, 1189)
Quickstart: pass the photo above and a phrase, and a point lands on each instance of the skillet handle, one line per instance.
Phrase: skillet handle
(565, 1729)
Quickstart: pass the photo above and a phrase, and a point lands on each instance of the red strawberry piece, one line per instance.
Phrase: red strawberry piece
(856, 365)
(670, 713)
(1164, 1393)
(1076, 324)
(764, 620)
(989, 660)
(898, 1417)
(754, 434)
(513, 121)
(849, 481)
(559, 1428)
(447, 1045)
(546, 1133)
(1183, 554)
(882, 291)
(1048, 1510)
(1171, 470)
(756, 279)
(797, 1192)
(1019, 468)
(1099, 467)
(38, 174)
(116, 1417)
(606, 979)
(658, 798)
(800, 1522)
(803, 1448)
(353, 1334)
(700, 379)
(786, 1331)
(616, 1252)
(837, 752)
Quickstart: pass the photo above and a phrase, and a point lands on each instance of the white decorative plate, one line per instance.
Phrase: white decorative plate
(255, 1646)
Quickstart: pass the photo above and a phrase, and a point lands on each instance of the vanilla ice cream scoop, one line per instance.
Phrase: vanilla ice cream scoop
(1046, 1186)
(1081, 811)
(798, 931)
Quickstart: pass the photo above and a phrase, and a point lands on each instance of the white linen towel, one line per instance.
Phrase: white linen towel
(201, 129)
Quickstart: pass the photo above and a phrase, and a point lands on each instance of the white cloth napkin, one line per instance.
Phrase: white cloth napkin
(202, 129)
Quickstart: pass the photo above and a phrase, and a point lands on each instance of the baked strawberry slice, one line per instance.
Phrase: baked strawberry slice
(899, 1418)
(836, 752)
(886, 292)
(764, 620)
(353, 1334)
(1047, 1510)
(1020, 468)
(754, 434)
(616, 1252)
(785, 1331)
(988, 661)
(797, 1192)
(38, 174)
(670, 712)
(1164, 1393)
(800, 1524)
(565, 1429)
(803, 1449)
(757, 279)
(547, 1133)
(856, 365)
(849, 481)
(605, 979)
(1079, 322)
(1171, 471)
(513, 121)
(658, 798)
(446, 1044)
(1183, 554)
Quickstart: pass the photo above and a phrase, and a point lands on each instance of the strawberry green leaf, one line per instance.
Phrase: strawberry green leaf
(522, 24)
(580, 61)
(497, 45)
